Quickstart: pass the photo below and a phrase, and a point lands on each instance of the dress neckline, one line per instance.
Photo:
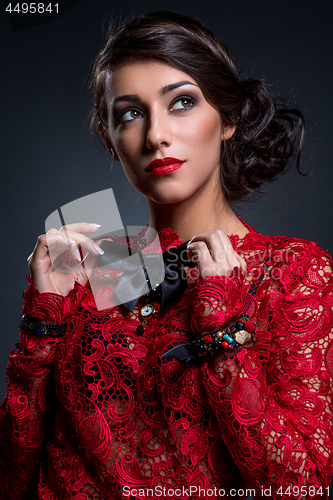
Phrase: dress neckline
(169, 238)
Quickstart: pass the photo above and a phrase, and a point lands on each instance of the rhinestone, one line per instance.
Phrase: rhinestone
(242, 337)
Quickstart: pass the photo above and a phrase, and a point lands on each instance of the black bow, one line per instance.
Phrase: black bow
(140, 268)
(184, 352)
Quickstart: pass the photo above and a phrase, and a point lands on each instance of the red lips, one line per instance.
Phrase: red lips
(164, 166)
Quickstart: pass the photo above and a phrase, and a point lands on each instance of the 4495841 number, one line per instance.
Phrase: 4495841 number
(33, 8)
(310, 491)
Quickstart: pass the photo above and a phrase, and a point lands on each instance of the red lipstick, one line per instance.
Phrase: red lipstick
(164, 166)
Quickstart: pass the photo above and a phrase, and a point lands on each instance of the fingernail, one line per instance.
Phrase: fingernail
(92, 224)
(98, 249)
(77, 253)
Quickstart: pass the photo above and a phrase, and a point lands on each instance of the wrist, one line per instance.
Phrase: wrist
(218, 301)
(228, 338)
(48, 307)
(42, 328)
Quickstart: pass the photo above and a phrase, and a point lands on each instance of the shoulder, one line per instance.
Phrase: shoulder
(285, 246)
(293, 258)
(304, 266)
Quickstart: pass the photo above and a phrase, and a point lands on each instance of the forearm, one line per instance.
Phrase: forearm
(25, 409)
(274, 410)
(266, 441)
(23, 413)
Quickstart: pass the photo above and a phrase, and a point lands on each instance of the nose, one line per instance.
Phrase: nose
(159, 131)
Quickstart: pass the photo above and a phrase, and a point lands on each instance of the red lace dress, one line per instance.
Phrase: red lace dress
(98, 415)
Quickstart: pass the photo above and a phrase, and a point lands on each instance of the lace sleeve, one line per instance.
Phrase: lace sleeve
(25, 406)
(218, 300)
(273, 401)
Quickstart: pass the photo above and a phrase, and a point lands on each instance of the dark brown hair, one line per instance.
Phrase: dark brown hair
(268, 134)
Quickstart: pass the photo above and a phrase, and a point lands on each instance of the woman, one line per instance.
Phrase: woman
(225, 392)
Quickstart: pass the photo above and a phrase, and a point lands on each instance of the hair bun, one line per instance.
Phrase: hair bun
(257, 108)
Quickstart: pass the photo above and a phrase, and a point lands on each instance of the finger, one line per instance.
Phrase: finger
(82, 264)
(83, 245)
(58, 244)
(242, 264)
(55, 241)
(87, 263)
(40, 251)
(198, 252)
(70, 241)
(39, 264)
(70, 258)
(217, 242)
(210, 253)
(81, 227)
(223, 258)
(75, 229)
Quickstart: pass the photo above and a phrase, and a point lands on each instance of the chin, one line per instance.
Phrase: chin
(166, 198)
(163, 196)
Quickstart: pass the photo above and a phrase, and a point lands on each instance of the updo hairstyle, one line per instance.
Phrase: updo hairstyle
(268, 134)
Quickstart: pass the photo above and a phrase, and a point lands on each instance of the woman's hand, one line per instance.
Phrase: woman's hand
(214, 255)
(48, 269)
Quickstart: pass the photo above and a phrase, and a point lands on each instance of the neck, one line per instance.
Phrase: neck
(196, 215)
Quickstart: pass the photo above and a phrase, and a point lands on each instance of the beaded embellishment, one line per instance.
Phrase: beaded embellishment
(41, 328)
(235, 334)
(228, 337)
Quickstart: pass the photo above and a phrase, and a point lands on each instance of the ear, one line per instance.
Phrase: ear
(107, 141)
(228, 132)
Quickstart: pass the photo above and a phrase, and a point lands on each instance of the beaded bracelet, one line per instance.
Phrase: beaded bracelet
(41, 328)
(227, 338)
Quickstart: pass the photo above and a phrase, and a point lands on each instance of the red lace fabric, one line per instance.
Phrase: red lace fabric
(97, 415)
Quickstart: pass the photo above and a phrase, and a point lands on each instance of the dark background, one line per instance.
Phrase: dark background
(49, 158)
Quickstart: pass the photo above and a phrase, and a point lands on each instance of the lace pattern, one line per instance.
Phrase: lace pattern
(98, 411)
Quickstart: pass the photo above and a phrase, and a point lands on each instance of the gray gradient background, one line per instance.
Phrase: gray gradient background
(48, 157)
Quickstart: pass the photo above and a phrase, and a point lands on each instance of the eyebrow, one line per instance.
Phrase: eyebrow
(173, 86)
(164, 90)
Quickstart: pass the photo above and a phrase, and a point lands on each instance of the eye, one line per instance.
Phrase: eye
(129, 114)
(183, 103)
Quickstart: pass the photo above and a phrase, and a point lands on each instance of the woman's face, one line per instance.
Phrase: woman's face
(157, 112)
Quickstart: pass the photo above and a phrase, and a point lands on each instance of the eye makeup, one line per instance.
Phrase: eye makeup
(180, 103)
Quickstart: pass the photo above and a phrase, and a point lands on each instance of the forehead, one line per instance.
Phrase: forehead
(139, 77)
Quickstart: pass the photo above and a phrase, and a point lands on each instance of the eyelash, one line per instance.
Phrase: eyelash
(184, 98)
(192, 101)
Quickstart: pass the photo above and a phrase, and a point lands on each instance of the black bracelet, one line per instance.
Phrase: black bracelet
(41, 328)
(228, 338)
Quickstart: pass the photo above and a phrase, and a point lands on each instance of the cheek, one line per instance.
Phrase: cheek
(212, 131)
(128, 147)
(205, 135)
